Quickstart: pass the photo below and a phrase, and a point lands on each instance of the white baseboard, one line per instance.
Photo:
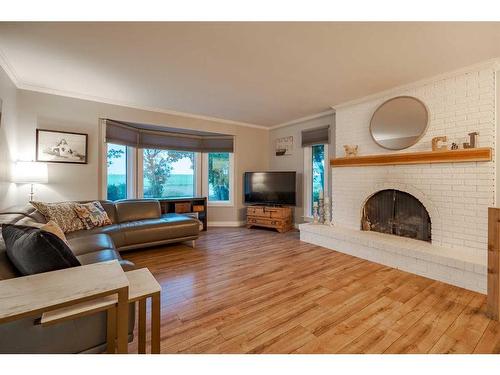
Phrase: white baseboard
(226, 223)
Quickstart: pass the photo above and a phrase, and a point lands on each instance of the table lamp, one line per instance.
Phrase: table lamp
(30, 172)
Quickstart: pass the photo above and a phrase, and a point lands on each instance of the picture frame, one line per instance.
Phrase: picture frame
(284, 146)
(55, 146)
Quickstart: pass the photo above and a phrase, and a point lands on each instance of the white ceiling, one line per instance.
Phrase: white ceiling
(258, 73)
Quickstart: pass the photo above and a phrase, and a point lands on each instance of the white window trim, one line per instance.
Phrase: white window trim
(307, 188)
(140, 173)
(230, 202)
(198, 169)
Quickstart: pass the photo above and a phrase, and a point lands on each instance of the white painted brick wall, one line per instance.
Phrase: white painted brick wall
(457, 195)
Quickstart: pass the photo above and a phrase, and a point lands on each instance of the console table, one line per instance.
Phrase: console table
(41, 293)
(186, 205)
(279, 218)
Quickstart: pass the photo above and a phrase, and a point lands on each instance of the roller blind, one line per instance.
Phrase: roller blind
(129, 135)
(121, 134)
(316, 136)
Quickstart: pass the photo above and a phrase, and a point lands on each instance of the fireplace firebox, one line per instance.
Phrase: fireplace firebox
(396, 212)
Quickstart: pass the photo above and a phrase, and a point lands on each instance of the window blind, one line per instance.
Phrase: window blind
(316, 136)
(191, 140)
(121, 134)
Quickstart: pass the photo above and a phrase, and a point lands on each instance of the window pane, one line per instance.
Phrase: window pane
(318, 171)
(117, 172)
(168, 174)
(218, 176)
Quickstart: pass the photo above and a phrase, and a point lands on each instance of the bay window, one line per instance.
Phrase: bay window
(145, 161)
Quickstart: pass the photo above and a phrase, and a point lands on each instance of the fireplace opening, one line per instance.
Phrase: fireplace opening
(398, 213)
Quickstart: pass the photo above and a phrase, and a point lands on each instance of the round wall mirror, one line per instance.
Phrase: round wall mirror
(399, 122)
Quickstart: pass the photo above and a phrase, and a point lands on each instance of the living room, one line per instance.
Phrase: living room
(222, 188)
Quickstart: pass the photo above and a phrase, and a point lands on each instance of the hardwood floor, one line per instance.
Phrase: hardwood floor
(255, 291)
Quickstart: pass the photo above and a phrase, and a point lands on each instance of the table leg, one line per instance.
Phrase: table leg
(122, 321)
(155, 323)
(142, 326)
(111, 331)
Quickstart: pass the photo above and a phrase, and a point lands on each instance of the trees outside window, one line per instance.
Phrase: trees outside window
(218, 176)
(168, 173)
(116, 172)
(318, 171)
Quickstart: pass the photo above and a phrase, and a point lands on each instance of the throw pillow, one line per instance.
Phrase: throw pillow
(33, 250)
(52, 227)
(92, 214)
(62, 213)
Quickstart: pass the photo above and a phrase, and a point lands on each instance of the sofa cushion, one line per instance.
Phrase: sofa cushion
(162, 229)
(7, 269)
(13, 215)
(112, 230)
(90, 243)
(140, 209)
(63, 214)
(32, 250)
(110, 209)
(105, 255)
(92, 214)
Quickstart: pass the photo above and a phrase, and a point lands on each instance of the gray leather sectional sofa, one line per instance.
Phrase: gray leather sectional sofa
(136, 224)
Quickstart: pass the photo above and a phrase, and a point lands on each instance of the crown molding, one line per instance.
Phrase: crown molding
(305, 118)
(69, 94)
(21, 85)
(492, 63)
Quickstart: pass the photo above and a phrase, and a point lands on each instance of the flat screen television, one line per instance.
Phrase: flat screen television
(270, 188)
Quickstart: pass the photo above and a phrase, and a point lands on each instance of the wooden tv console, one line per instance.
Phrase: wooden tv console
(279, 218)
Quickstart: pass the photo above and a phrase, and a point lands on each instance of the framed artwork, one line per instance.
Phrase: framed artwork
(284, 146)
(61, 147)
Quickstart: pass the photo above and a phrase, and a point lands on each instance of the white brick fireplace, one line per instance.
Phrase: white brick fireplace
(456, 195)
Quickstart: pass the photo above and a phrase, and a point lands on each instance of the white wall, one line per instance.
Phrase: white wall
(457, 195)
(8, 99)
(72, 182)
(295, 162)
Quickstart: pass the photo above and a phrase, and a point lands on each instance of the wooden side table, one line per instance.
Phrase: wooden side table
(42, 293)
(142, 285)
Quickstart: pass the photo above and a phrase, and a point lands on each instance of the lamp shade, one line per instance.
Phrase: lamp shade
(30, 172)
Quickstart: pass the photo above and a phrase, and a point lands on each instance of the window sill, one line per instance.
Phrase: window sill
(220, 204)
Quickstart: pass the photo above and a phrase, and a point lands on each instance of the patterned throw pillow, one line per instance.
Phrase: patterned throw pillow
(62, 213)
(92, 214)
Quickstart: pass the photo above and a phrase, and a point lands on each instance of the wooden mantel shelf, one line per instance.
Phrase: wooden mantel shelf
(425, 157)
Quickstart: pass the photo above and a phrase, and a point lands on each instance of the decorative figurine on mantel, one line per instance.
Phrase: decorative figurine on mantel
(331, 214)
(438, 143)
(351, 150)
(454, 146)
(327, 208)
(472, 140)
(321, 208)
(315, 213)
